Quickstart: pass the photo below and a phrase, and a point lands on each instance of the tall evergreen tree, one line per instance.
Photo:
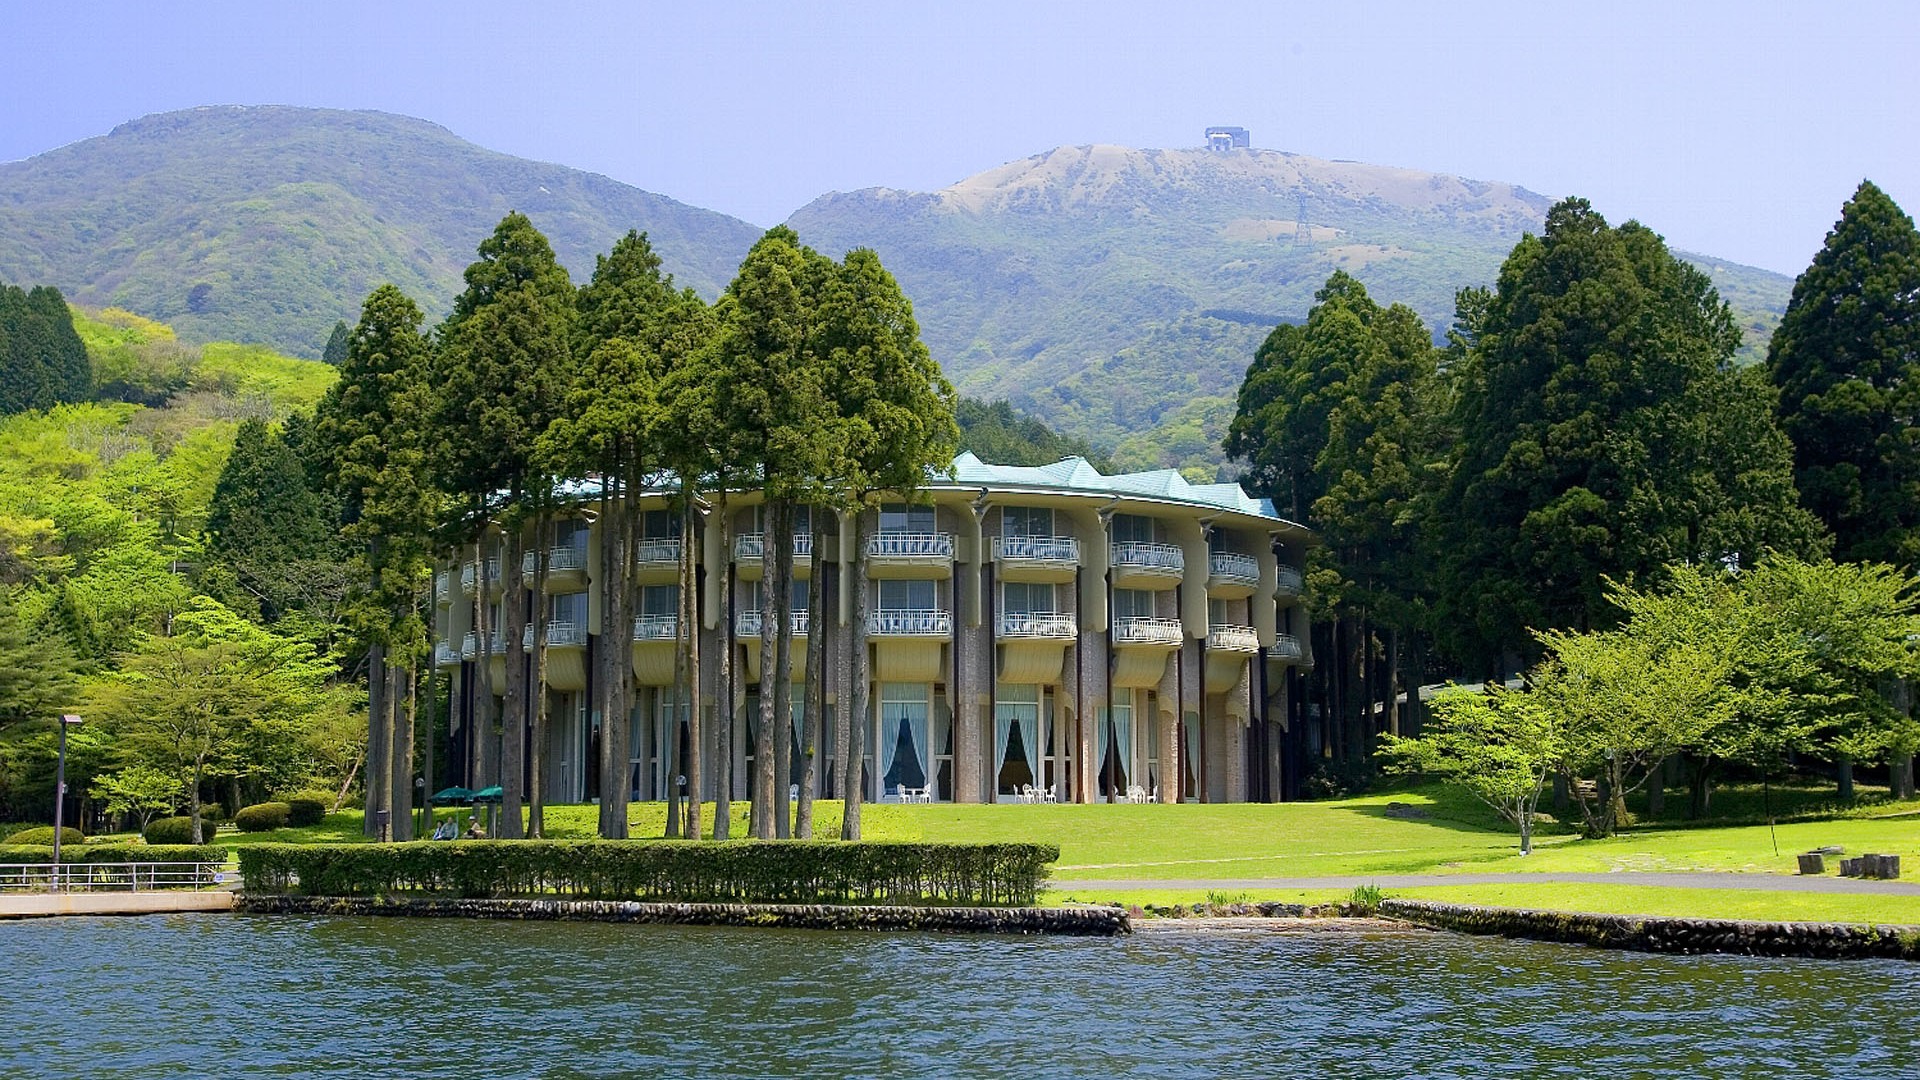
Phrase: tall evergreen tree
(264, 521)
(1604, 433)
(43, 362)
(336, 351)
(1846, 358)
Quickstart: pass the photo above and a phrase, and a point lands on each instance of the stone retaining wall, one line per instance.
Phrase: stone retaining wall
(1667, 935)
(1080, 922)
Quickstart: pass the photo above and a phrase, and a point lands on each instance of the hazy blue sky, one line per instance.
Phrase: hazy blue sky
(1736, 129)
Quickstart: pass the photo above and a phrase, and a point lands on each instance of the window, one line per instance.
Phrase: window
(660, 525)
(571, 533)
(568, 608)
(907, 595)
(659, 599)
(1026, 598)
(1132, 604)
(1016, 737)
(901, 518)
(1026, 521)
(905, 737)
(1132, 528)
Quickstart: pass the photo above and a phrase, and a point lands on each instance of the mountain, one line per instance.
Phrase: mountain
(268, 224)
(1120, 293)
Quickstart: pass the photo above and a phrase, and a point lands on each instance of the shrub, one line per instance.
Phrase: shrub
(175, 830)
(741, 871)
(43, 835)
(212, 811)
(263, 817)
(114, 853)
(307, 808)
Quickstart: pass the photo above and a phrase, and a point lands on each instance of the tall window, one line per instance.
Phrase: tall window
(568, 608)
(1132, 528)
(1016, 737)
(1132, 604)
(902, 518)
(660, 525)
(906, 595)
(1027, 598)
(905, 736)
(572, 533)
(659, 599)
(1026, 521)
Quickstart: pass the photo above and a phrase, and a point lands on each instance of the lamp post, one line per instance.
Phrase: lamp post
(60, 794)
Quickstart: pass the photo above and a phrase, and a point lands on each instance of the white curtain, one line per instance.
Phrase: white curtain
(1002, 731)
(1123, 734)
(1100, 742)
(889, 739)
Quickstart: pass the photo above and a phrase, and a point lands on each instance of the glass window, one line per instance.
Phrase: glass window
(906, 595)
(1026, 521)
(901, 518)
(904, 743)
(1026, 598)
(659, 599)
(568, 608)
(1132, 528)
(660, 525)
(572, 533)
(1132, 604)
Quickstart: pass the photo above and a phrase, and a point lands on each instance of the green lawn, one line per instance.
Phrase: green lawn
(1692, 903)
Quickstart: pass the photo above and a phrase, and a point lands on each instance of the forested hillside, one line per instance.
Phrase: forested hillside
(270, 224)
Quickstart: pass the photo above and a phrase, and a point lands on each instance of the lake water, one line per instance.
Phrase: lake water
(225, 995)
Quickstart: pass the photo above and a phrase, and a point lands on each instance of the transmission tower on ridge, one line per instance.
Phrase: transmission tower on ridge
(1302, 232)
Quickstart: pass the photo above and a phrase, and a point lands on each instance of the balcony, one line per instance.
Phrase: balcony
(445, 655)
(1141, 565)
(1041, 559)
(1291, 584)
(470, 645)
(750, 548)
(908, 623)
(1141, 632)
(1231, 576)
(656, 628)
(656, 561)
(1225, 637)
(566, 569)
(1285, 647)
(469, 575)
(747, 624)
(1038, 626)
(920, 556)
(1141, 645)
(655, 640)
(443, 587)
(560, 635)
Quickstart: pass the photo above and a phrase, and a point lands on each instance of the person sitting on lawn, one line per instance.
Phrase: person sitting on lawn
(446, 830)
(474, 831)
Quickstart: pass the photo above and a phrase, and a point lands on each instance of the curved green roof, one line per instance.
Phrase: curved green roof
(1075, 475)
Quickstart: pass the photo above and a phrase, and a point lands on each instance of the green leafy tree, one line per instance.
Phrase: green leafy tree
(1603, 432)
(36, 669)
(140, 791)
(1501, 745)
(1846, 358)
(336, 351)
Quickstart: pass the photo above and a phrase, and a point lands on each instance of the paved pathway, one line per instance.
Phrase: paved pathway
(1704, 879)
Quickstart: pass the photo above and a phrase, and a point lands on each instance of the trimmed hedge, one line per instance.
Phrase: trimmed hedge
(175, 830)
(43, 834)
(263, 817)
(113, 853)
(737, 871)
(306, 809)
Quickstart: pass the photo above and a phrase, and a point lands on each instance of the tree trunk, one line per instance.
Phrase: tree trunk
(426, 739)
(1901, 776)
(1843, 768)
(723, 682)
(613, 639)
(193, 802)
(683, 628)
(696, 704)
(763, 753)
(480, 718)
(783, 678)
(1699, 787)
(857, 708)
(543, 532)
(379, 741)
(814, 713)
(513, 742)
(403, 692)
(1656, 790)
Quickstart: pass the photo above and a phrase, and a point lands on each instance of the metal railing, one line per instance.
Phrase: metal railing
(1285, 647)
(1048, 625)
(44, 877)
(1226, 637)
(893, 545)
(656, 628)
(1290, 581)
(558, 559)
(747, 623)
(909, 623)
(1146, 630)
(445, 655)
(1056, 549)
(1233, 566)
(560, 635)
(654, 552)
(470, 644)
(469, 574)
(1147, 556)
(750, 546)
(443, 585)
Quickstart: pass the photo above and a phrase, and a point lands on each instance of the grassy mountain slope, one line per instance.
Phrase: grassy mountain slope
(1120, 293)
(268, 224)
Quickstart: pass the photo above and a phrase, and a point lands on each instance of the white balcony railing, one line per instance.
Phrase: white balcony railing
(445, 655)
(1045, 625)
(904, 545)
(909, 623)
(470, 645)
(656, 628)
(1143, 630)
(1232, 566)
(469, 573)
(750, 547)
(1290, 581)
(1051, 549)
(1138, 554)
(442, 585)
(560, 635)
(558, 559)
(1225, 637)
(657, 552)
(747, 624)
(1286, 647)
